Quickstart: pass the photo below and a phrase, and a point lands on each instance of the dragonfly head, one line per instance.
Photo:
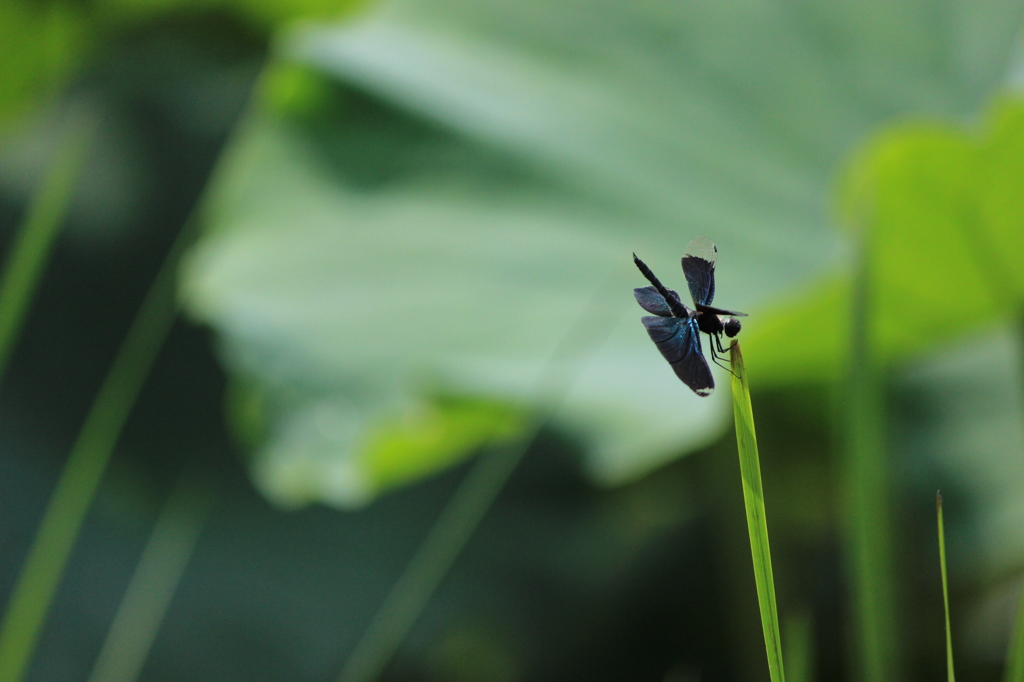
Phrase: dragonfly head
(732, 326)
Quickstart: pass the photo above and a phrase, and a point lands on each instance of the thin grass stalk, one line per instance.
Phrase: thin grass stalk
(945, 588)
(35, 237)
(76, 487)
(865, 498)
(757, 521)
(148, 596)
(467, 507)
(1015, 649)
(433, 560)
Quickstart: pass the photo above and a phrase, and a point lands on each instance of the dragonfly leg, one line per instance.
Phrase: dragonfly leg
(716, 341)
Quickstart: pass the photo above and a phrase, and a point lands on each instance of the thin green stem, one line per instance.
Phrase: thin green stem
(467, 507)
(865, 498)
(48, 556)
(154, 582)
(37, 234)
(76, 487)
(945, 588)
(433, 559)
(1015, 649)
(757, 521)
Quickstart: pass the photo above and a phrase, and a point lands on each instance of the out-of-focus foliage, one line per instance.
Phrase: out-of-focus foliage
(649, 581)
(39, 47)
(263, 15)
(43, 44)
(439, 218)
(968, 419)
(944, 212)
(941, 208)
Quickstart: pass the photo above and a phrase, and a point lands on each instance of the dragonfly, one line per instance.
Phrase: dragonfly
(676, 328)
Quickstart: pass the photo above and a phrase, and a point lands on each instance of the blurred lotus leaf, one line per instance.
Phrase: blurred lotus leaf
(943, 210)
(434, 198)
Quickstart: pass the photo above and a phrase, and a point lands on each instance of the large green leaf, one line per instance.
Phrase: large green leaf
(442, 221)
(944, 212)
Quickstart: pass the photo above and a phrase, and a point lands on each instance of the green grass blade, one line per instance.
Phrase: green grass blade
(1015, 650)
(48, 556)
(945, 589)
(154, 582)
(757, 522)
(865, 486)
(34, 239)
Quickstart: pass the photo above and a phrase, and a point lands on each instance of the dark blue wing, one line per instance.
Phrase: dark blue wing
(699, 268)
(653, 302)
(679, 341)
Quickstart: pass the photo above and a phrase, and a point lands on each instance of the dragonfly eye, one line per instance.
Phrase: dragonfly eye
(732, 327)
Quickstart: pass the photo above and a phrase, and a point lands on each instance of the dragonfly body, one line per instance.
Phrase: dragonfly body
(675, 328)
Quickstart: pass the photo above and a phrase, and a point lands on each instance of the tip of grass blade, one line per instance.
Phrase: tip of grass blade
(736, 360)
(740, 388)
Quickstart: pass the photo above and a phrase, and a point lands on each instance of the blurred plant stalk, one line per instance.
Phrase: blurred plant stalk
(47, 211)
(154, 582)
(76, 487)
(865, 488)
(22, 272)
(1015, 651)
(23, 269)
(476, 493)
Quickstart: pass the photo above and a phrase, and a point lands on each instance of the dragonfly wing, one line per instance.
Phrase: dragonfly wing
(679, 342)
(719, 311)
(699, 267)
(653, 302)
